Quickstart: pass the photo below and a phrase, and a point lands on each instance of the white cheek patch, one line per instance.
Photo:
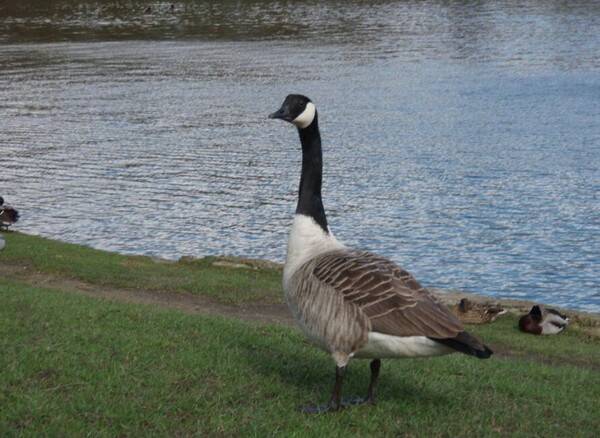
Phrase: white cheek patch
(306, 117)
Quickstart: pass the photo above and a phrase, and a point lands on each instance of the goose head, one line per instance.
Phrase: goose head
(297, 110)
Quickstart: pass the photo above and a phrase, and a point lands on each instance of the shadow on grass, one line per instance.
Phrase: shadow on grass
(312, 372)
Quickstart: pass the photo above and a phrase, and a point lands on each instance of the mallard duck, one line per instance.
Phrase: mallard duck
(543, 321)
(8, 215)
(471, 312)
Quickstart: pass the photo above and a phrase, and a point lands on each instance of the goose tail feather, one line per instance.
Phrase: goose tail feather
(466, 343)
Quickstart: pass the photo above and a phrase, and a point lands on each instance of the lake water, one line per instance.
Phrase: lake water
(461, 138)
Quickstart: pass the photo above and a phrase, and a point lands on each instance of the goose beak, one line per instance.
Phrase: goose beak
(277, 114)
(282, 114)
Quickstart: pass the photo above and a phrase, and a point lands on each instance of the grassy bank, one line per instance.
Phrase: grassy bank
(33, 254)
(74, 365)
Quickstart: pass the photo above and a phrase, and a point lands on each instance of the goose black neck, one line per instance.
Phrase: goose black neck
(309, 196)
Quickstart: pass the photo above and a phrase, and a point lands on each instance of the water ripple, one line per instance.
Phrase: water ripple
(460, 139)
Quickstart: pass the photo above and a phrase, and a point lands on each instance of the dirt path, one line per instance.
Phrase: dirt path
(185, 302)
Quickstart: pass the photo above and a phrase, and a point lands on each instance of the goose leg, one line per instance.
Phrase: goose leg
(335, 402)
(375, 366)
(370, 398)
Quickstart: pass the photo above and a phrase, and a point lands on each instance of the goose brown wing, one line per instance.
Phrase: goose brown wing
(395, 303)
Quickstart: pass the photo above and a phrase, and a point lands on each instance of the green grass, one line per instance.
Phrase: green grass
(73, 365)
(137, 272)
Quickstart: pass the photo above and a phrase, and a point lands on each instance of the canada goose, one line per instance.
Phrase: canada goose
(8, 215)
(543, 321)
(471, 312)
(353, 303)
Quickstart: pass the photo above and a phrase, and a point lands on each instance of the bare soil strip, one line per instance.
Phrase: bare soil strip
(185, 302)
